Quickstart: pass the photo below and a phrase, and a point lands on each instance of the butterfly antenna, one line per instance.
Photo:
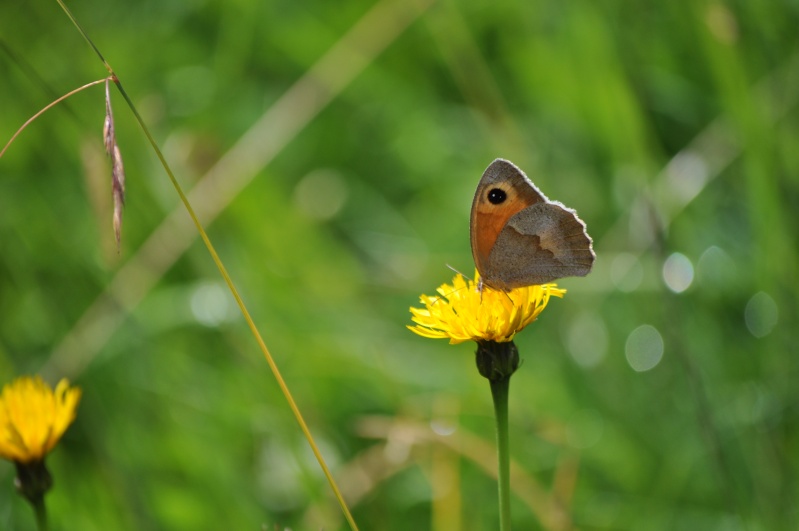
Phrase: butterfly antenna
(453, 291)
(454, 270)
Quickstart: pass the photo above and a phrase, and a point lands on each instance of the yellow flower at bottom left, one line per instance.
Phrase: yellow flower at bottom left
(33, 417)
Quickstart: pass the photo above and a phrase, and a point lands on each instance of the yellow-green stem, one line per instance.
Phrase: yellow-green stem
(41, 514)
(228, 280)
(499, 392)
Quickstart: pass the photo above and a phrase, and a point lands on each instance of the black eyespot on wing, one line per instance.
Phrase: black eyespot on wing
(496, 196)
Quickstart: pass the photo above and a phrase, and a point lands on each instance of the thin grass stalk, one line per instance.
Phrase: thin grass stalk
(223, 271)
(47, 108)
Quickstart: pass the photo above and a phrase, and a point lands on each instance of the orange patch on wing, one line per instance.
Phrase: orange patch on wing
(489, 220)
(488, 228)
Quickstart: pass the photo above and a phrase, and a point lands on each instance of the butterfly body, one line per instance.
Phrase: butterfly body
(519, 237)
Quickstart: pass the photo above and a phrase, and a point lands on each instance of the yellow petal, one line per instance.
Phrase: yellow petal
(462, 312)
(33, 417)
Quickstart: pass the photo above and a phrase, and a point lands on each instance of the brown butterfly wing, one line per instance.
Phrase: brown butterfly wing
(487, 219)
(526, 239)
(540, 244)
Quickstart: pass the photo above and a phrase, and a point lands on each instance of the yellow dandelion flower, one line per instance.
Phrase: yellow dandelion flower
(33, 417)
(461, 312)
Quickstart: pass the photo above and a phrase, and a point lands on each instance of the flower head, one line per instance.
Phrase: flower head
(33, 417)
(462, 312)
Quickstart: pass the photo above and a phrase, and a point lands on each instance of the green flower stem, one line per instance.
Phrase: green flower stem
(497, 362)
(41, 514)
(499, 391)
(32, 482)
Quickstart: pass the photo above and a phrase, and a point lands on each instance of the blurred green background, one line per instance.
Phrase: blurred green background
(333, 149)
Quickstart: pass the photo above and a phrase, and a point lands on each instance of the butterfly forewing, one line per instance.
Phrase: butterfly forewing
(525, 238)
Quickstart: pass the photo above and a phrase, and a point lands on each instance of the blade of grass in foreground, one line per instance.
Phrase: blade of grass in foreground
(223, 271)
(366, 25)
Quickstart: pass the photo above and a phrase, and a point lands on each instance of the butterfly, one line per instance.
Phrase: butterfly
(519, 237)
